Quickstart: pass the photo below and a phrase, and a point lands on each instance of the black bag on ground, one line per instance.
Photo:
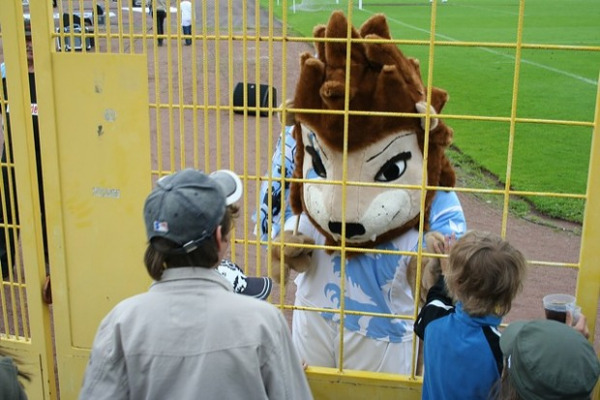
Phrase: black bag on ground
(263, 97)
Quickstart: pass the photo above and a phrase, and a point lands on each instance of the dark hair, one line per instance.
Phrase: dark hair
(485, 273)
(158, 257)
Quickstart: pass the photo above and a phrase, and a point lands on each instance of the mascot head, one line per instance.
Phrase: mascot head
(366, 147)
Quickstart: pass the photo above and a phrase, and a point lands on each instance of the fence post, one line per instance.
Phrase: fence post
(588, 279)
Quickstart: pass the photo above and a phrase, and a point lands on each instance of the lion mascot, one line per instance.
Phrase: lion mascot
(381, 160)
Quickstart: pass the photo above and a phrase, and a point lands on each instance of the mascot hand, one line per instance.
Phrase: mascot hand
(432, 267)
(296, 258)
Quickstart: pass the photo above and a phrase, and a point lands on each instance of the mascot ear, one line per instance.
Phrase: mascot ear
(439, 97)
(433, 122)
(440, 133)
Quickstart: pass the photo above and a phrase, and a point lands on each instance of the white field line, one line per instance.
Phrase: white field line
(491, 9)
(495, 52)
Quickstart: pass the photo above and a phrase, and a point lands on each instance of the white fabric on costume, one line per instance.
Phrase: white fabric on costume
(374, 283)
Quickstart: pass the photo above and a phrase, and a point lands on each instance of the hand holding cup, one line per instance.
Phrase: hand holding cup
(557, 305)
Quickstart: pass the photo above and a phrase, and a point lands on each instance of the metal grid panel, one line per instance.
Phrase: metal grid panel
(193, 121)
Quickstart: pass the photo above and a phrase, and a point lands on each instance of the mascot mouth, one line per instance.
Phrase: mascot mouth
(352, 229)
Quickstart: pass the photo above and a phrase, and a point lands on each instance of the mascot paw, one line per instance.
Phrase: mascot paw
(296, 258)
(432, 267)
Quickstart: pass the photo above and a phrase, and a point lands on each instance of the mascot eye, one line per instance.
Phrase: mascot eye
(394, 168)
(316, 161)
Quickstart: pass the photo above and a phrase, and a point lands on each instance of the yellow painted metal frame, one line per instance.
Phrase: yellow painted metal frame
(35, 346)
(103, 236)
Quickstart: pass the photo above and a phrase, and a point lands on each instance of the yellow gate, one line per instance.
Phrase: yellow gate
(117, 110)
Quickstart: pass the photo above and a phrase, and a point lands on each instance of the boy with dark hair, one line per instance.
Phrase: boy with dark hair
(191, 336)
(459, 323)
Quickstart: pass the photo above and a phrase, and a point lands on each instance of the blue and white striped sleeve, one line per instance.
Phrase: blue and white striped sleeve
(273, 192)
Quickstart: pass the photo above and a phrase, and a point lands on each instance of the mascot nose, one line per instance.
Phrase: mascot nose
(352, 229)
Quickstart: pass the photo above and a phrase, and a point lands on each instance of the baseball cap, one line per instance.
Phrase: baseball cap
(259, 287)
(549, 360)
(187, 206)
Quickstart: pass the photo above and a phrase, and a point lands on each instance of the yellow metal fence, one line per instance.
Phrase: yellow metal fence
(117, 111)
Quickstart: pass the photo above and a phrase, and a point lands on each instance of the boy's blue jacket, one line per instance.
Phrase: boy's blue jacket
(462, 356)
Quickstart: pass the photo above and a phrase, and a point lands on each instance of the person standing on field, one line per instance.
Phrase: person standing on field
(161, 14)
(186, 20)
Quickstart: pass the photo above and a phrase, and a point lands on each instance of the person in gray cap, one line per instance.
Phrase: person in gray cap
(546, 360)
(191, 336)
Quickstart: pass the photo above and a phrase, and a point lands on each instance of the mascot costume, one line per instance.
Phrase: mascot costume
(382, 161)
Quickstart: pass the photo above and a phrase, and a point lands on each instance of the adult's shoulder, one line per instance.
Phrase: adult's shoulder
(126, 309)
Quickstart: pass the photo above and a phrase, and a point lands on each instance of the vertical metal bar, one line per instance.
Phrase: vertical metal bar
(194, 110)
(157, 94)
(217, 79)
(425, 179)
(180, 98)
(343, 258)
(206, 79)
(588, 279)
(36, 318)
(513, 116)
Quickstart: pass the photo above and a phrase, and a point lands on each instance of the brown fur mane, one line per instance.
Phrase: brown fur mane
(381, 80)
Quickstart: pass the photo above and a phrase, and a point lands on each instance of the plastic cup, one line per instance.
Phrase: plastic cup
(575, 311)
(557, 305)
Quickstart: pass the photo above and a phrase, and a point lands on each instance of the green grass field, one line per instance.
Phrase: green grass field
(554, 83)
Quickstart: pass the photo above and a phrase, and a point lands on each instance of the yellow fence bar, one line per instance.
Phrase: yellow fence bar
(192, 121)
(588, 280)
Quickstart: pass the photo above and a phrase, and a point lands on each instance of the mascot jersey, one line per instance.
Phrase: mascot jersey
(374, 282)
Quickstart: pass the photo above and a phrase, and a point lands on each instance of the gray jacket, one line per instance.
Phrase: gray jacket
(191, 337)
(10, 388)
